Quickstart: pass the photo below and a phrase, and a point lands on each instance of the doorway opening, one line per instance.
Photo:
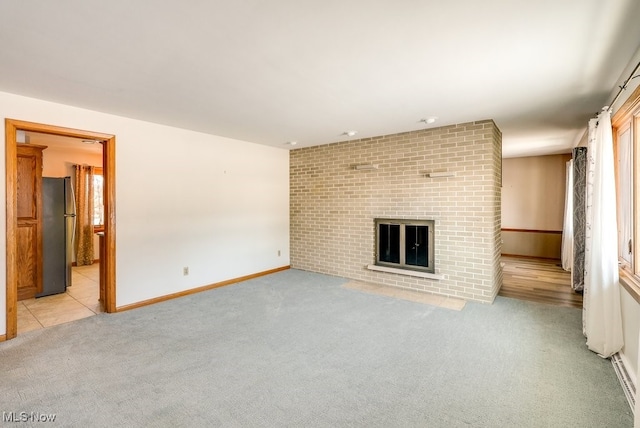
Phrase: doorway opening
(107, 255)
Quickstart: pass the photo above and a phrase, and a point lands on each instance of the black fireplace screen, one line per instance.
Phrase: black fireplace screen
(405, 244)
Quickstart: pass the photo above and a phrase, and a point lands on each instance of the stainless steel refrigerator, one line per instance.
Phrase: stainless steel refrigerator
(58, 230)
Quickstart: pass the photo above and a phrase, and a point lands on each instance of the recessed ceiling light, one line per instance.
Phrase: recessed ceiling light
(350, 133)
(429, 120)
(291, 143)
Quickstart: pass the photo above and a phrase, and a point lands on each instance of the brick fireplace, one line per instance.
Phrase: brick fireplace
(449, 175)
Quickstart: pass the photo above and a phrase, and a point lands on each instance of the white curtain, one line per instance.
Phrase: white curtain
(602, 320)
(567, 229)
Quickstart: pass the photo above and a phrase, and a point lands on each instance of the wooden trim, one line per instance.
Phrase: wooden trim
(554, 232)
(626, 110)
(108, 153)
(3, 337)
(631, 283)
(198, 289)
(109, 199)
(616, 132)
(520, 256)
(629, 115)
(11, 171)
(57, 130)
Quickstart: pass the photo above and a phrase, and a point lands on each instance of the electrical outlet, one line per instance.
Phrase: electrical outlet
(185, 270)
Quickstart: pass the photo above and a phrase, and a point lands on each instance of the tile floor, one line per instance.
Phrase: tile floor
(80, 301)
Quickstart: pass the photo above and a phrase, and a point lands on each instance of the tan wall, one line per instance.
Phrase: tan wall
(58, 162)
(532, 244)
(533, 190)
(533, 198)
(333, 206)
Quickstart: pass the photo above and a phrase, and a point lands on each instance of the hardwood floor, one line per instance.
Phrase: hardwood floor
(538, 280)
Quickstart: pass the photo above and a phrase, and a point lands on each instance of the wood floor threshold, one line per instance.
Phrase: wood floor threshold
(198, 289)
(541, 299)
(537, 299)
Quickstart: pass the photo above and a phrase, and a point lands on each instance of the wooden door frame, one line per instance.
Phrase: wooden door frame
(109, 165)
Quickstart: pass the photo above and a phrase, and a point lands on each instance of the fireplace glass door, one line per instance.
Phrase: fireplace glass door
(405, 244)
(416, 245)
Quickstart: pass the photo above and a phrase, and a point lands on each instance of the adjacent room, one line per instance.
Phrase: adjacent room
(69, 188)
(320, 213)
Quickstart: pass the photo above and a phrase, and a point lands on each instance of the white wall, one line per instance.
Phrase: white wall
(630, 330)
(183, 198)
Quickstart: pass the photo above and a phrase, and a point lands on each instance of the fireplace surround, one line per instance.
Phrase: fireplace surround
(449, 175)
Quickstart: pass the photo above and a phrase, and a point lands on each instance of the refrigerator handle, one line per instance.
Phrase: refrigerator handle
(73, 214)
(73, 198)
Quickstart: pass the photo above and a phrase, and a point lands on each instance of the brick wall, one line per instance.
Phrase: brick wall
(333, 206)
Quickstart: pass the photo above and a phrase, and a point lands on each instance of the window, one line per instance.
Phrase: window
(624, 179)
(626, 135)
(405, 244)
(98, 200)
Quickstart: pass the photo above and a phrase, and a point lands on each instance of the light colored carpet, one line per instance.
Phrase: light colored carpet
(296, 349)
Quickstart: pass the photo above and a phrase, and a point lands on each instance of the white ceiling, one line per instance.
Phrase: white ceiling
(289, 70)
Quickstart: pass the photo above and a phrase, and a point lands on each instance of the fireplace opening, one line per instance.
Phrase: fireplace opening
(405, 244)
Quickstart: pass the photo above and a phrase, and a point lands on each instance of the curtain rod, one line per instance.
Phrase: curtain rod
(623, 87)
